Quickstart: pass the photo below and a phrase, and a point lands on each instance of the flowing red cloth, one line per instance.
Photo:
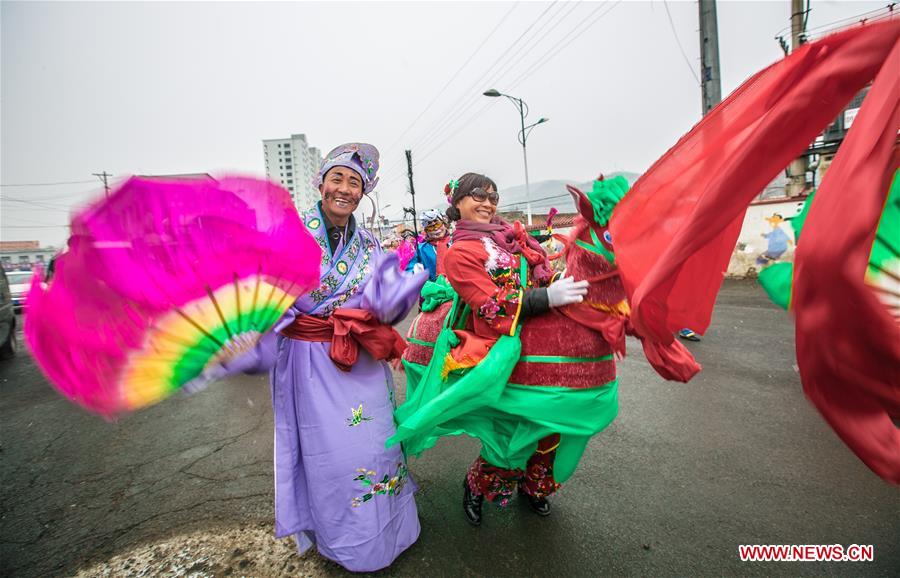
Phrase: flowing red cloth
(848, 343)
(672, 361)
(675, 230)
(347, 330)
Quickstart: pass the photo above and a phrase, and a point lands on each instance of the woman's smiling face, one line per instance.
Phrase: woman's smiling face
(471, 209)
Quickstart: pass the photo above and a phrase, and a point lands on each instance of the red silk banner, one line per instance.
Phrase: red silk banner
(848, 343)
(674, 232)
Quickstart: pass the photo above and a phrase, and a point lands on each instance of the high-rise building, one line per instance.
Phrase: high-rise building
(293, 164)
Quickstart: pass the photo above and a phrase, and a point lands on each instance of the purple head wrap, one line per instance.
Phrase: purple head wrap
(361, 157)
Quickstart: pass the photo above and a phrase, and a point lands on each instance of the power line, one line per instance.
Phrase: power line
(70, 195)
(819, 32)
(678, 41)
(506, 69)
(552, 52)
(475, 99)
(452, 78)
(567, 39)
(47, 184)
(502, 64)
(533, 201)
(478, 113)
(534, 45)
(25, 220)
(46, 206)
(78, 193)
(450, 136)
(452, 113)
(35, 226)
(849, 20)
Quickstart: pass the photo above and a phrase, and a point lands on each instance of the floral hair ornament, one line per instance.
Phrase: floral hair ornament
(449, 189)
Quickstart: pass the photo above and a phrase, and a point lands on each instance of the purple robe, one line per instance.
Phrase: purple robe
(336, 485)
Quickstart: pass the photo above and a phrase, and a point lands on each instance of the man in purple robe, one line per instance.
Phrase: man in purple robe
(336, 485)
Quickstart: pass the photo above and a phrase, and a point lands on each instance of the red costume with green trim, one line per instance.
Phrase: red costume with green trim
(532, 390)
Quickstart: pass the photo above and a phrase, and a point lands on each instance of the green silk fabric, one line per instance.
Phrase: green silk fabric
(509, 419)
(884, 260)
(777, 280)
(435, 293)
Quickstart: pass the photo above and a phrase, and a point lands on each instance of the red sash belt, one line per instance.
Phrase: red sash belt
(347, 330)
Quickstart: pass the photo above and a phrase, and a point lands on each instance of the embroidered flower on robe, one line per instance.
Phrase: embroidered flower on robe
(390, 486)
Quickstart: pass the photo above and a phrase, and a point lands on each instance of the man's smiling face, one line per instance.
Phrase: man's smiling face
(341, 189)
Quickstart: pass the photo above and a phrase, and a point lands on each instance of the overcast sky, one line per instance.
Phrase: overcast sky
(162, 88)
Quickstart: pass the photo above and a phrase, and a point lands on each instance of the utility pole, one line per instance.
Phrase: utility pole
(525, 158)
(378, 215)
(710, 77)
(797, 170)
(103, 176)
(412, 193)
(523, 136)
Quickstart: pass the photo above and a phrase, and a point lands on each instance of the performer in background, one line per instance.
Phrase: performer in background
(430, 251)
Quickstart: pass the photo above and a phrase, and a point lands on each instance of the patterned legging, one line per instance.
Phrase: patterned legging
(497, 484)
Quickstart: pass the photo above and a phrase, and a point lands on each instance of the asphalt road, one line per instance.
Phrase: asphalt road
(685, 474)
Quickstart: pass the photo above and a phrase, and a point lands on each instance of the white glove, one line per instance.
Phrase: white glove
(418, 268)
(566, 291)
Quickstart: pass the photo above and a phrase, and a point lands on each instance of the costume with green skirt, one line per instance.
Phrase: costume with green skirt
(509, 419)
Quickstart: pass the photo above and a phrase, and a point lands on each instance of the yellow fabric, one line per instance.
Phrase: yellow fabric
(621, 308)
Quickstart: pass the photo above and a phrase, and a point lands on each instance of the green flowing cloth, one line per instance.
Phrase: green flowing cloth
(508, 418)
(435, 293)
(884, 261)
(777, 280)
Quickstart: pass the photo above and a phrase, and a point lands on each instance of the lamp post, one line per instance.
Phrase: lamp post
(378, 210)
(522, 137)
(383, 209)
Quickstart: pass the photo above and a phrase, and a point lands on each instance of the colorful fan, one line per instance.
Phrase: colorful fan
(162, 280)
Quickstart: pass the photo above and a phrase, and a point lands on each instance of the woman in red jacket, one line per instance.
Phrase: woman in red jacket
(484, 267)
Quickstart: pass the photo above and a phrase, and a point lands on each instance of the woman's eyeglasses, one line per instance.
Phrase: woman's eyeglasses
(481, 195)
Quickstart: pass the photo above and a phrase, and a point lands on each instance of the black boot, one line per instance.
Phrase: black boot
(472, 505)
(539, 506)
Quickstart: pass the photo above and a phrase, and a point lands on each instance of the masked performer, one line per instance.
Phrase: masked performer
(430, 253)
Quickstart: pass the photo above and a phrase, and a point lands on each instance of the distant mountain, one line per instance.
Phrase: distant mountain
(547, 194)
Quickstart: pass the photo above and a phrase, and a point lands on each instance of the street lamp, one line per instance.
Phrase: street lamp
(383, 209)
(378, 211)
(523, 137)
